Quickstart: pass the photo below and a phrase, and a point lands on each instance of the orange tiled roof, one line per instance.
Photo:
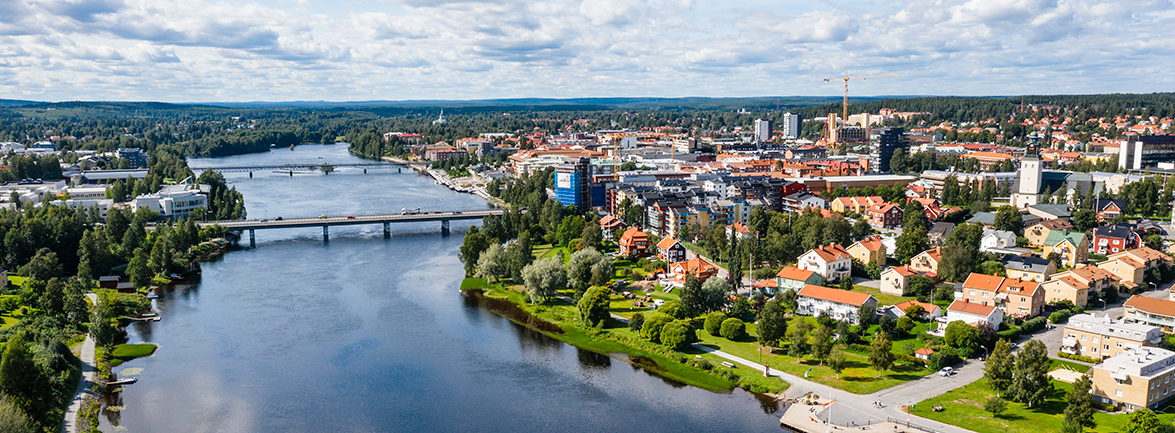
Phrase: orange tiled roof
(871, 244)
(831, 252)
(794, 273)
(925, 306)
(971, 308)
(1160, 307)
(983, 282)
(834, 295)
(666, 243)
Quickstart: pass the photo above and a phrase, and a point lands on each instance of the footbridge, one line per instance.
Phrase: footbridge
(326, 221)
(301, 167)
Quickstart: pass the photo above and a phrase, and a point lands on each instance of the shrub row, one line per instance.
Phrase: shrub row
(1078, 357)
(1033, 325)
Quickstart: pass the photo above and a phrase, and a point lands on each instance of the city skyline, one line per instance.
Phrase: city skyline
(281, 50)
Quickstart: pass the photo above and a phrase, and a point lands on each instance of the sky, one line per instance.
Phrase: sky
(310, 50)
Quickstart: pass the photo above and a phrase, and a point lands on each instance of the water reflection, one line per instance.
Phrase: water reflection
(592, 360)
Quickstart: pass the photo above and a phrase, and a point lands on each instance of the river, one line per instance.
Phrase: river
(366, 334)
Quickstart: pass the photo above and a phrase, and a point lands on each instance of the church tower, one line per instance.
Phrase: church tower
(1028, 193)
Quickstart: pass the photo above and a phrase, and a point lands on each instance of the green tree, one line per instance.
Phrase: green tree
(543, 278)
(1142, 421)
(715, 292)
(692, 297)
(999, 367)
(636, 322)
(1079, 411)
(571, 228)
(1008, 218)
(579, 268)
(822, 343)
(652, 327)
(471, 248)
(139, 269)
(1030, 382)
(43, 266)
(798, 344)
(910, 243)
(866, 315)
(592, 236)
(861, 228)
(593, 305)
(905, 325)
(1084, 219)
(963, 337)
(789, 300)
(880, 355)
(772, 324)
(21, 379)
(836, 361)
(93, 255)
(913, 216)
(995, 405)
(492, 262)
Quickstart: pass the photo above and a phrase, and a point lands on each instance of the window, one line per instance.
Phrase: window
(1082, 338)
(1095, 340)
(972, 293)
(1117, 393)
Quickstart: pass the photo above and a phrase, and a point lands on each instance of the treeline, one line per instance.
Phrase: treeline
(240, 141)
(46, 167)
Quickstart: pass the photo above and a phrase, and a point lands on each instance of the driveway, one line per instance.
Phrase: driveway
(876, 284)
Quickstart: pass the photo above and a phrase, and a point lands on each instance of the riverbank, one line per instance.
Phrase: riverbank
(559, 319)
(443, 178)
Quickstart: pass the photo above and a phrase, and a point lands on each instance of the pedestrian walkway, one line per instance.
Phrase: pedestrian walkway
(89, 375)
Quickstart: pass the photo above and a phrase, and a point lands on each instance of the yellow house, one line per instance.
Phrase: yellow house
(927, 261)
(854, 204)
(1071, 246)
(1038, 232)
(868, 251)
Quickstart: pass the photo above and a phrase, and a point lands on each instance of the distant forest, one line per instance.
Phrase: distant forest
(230, 129)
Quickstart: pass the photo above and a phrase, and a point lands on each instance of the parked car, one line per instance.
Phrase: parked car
(277, 219)
(350, 217)
(946, 371)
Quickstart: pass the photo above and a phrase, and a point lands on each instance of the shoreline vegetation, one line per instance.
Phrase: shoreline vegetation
(558, 320)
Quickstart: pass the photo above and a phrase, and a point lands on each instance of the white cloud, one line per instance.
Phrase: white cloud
(201, 50)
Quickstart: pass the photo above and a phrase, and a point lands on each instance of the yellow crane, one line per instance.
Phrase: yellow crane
(845, 105)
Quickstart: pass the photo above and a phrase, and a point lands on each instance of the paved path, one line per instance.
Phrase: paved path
(890, 398)
(89, 374)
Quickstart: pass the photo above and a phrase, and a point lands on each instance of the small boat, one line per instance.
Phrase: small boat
(152, 296)
(176, 276)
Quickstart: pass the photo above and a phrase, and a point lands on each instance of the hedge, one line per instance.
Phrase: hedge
(1078, 357)
(1033, 325)
(1010, 335)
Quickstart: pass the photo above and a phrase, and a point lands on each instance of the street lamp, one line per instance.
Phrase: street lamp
(984, 353)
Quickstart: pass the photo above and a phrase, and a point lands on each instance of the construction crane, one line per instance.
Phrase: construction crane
(845, 105)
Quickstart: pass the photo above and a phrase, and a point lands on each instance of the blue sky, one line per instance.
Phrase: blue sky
(284, 50)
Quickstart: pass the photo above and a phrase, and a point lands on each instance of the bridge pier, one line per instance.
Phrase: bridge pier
(365, 171)
(326, 234)
(252, 238)
(387, 230)
(444, 227)
(250, 175)
(291, 173)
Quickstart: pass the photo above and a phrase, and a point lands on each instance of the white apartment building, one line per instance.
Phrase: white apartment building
(838, 304)
(172, 202)
(832, 262)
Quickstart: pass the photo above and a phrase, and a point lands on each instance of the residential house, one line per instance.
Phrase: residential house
(1037, 233)
(869, 250)
(832, 262)
(1108, 208)
(793, 278)
(1029, 268)
(856, 205)
(1135, 379)
(837, 304)
(1115, 238)
(671, 250)
(1016, 297)
(798, 201)
(1102, 337)
(924, 353)
(1071, 246)
(610, 226)
(896, 280)
(885, 215)
(939, 232)
(997, 241)
(1076, 285)
(930, 311)
(974, 314)
(697, 266)
(1132, 266)
(1050, 211)
(634, 242)
(1151, 311)
(927, 261)
(738, 229)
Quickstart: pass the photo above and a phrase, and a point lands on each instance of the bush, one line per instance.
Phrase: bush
(1060, 316)
(733, 329)
(1032, 325)
(677, 335)
(671, 309)
(909, 360)
(713, 322)
(943, 359)
(1010, 334)
(1078, 357)
(652, 328)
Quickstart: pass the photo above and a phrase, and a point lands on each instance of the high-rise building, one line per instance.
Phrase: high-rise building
(573, 182)
(889, 141)
(762, 130)
(791, 125)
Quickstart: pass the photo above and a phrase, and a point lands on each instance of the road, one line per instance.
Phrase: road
(89, 375)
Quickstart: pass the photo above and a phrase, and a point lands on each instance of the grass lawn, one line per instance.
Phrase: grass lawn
(16, 280)
(126, 352)
(882, 298)
(8, 321)
(858, 377)
(474, 283)
(964, 408)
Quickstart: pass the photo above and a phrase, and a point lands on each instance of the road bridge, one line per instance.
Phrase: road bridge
(301, 167)
(326, 221)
